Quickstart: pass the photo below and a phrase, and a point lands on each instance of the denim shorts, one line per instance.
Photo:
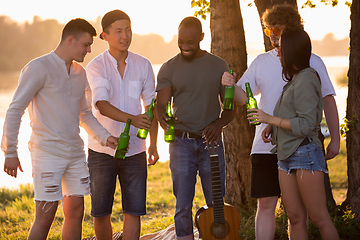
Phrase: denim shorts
(307, 157)
(132, 174)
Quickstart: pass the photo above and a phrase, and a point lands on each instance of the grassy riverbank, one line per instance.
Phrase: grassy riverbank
(17, 208)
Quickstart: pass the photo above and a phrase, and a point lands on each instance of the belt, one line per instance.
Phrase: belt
(306, 141)
(188, 135)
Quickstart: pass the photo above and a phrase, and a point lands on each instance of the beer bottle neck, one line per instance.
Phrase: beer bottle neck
(248, 91)
(152, 105)
(168, 110)
(127, 126)
(249, 94)
(151, 109)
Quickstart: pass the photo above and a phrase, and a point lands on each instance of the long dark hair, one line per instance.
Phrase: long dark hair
(295, 52)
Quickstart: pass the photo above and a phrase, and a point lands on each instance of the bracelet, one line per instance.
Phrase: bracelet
(280, 122)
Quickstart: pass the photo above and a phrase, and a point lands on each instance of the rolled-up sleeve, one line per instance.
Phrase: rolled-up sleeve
(306, 102)
(148, 88)
(87, 120)
(101, 87)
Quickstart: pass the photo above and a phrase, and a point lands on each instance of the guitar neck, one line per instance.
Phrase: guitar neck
(216, 190)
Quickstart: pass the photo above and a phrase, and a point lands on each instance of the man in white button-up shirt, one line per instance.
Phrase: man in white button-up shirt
(54, 88)
(121, 83)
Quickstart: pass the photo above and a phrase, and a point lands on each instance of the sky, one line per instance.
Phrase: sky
(163, 16)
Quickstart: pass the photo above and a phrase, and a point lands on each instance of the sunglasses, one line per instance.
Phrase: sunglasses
(276, 31)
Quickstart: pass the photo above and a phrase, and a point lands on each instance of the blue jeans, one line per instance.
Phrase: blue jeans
(188, 157)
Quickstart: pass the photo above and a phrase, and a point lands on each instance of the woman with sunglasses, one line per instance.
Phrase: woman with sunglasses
(293, 129)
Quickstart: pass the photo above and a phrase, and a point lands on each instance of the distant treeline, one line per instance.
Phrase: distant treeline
(19, 43)
(329, 46)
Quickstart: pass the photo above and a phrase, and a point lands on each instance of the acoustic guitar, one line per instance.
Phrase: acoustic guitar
(219, 221)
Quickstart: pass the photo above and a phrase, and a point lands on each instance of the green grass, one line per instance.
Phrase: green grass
(17, 208)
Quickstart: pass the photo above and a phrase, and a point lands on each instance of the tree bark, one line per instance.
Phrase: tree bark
(228, 42)
(353, 113)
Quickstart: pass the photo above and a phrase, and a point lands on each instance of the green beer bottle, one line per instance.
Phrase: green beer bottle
(123, 141)
(229, 96)
(250, 102)
(169, 135)
(142, 133)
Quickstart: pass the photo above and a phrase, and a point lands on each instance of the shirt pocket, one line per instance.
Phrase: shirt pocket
(135, 88)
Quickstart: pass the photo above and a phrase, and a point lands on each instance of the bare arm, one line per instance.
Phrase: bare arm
(266, 134)
(240, 95)
(263, 117)
(163, 96)
(332, 119)
(213, 131)
(229, 80)
(108, 110)
(152, 150)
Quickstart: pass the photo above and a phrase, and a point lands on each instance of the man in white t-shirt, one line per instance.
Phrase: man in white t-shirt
(121, 82)
(265, 77)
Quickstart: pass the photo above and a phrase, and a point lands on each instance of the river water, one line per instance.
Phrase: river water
(337, 67)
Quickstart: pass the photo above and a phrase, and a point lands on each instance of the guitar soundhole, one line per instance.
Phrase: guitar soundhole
(220, 230)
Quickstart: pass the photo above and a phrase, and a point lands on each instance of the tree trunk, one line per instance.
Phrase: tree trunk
(228, 42)
(261, 6)
(353, 112)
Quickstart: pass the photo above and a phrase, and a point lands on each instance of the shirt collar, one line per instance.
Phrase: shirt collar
(57, 58)
(275, 52)
(114, 61)
(60, 61)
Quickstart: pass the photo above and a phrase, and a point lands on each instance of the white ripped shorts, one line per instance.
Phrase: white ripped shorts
(55, 177)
